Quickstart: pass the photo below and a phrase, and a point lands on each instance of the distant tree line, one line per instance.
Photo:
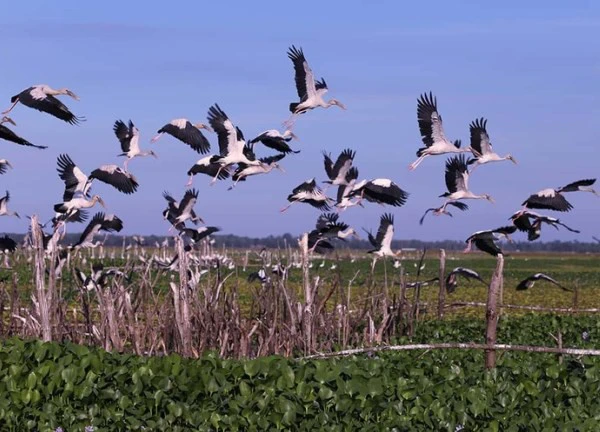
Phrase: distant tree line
(289, 240)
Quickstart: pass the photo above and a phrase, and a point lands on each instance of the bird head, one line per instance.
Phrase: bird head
(512, 159)
(99, 200)
(202, 126)
(354, 234)
(7, 119)
(338, 103)
(69, 93)
(289, 134)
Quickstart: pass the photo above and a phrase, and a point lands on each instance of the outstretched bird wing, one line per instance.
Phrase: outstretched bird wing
(430, 122)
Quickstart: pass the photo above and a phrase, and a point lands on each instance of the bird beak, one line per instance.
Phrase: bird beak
(490, 199)
(73, 95)
(101, 201)
(155, 155)
(514, 161)
(294, 136)
(17, 215)
(341, 105)
(8, 163)
(203, 126)
(9, 120)
(355, 235)
(280, 168)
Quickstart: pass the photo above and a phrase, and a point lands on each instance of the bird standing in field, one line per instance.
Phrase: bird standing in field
(432, 131)
(308, 192)
(4, 211)
(41, 97)
(482, 147)
(486, 240)
(457, 182)
(232, 146)
(381, 191)
(337, 172)
(275, 140)
(382, 242)
(186, 132)
(129, 137)
(8, 135)
(531, 280)
(553, 199)
(310, 92)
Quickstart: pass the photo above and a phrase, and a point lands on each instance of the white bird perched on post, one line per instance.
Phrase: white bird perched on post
(275, 140)
(129, 137)
(8, 135)
(4, 211)
(267, 165)
(432, 131)
(77, 182)
(337, 172)
(382, 191)
(482, 147)
(382, 242)
(186, 132)
(457, 182)
(308, 192)
(486, 240)
(205, 166)
(100, 222)
(552, 199)
(41, 97)
(232, 146)
(310, 92)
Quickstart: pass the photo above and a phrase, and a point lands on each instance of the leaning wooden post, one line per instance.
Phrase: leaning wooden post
(43, 296)
(442, 292)
(491, 313)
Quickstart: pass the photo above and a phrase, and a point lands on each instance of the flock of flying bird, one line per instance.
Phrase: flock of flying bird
(237, 159)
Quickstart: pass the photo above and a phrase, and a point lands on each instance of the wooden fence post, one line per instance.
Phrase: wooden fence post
(491, 313)
(43, 294)
(442, 292)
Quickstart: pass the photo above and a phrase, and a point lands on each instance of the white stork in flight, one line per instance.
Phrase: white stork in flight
(442, 210)
(187, 133)
(382, 242)
(205, 166)
(100, 222)
(275, 140)
(41, 97)
(486, 240)
(457, 182)
(452, 278)
(197, 234)
(267, 165)
(482, 147)
(343, 199)
(531, 223)
(382, 191)
(129, 137)
(179, 212)
(553, 199)
(337, 172)
(310, 92)
(432, 131)
(309, 193)
(232, 146)
(329, 226)
(531, 280)
(4, 211)
(8, 135)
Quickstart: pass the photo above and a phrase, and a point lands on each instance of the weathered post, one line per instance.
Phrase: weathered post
(308, 294)
(182, 302)
(491, 313)
(442, 292)
(43, 295)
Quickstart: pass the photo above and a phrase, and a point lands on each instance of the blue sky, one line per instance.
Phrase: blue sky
(531, 68)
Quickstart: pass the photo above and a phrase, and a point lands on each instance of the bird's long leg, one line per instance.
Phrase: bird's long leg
(156, 138)
(289, 123)
(286, 207)
(11, 107)
(190, 181)
(125, 164)
(416, 163)
(468, 248)
(234, 184)
(212, 182)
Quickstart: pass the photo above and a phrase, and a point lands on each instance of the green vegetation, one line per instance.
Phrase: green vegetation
(47, 385)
